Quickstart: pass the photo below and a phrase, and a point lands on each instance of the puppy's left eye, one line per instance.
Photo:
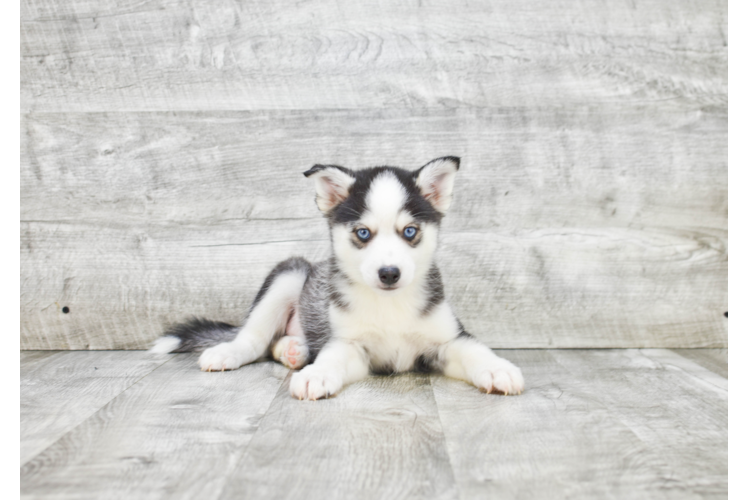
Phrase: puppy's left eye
(410, 232)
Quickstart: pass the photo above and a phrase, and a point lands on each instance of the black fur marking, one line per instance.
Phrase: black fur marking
(386, 369)
(463, 333)
(319, 167)
(197, 334)
(354, 206)
(288, 265)
(425, 363)
(383, 369)
(435, 290)
(337, 298)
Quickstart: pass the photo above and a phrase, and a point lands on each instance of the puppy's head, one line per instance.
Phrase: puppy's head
(384, 220)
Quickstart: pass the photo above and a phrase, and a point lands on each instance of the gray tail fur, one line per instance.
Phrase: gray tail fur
(194, 335)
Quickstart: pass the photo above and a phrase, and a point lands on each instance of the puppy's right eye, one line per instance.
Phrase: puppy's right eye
(363, 234)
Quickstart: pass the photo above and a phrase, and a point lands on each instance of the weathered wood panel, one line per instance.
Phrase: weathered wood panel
(87, 55)
(600, 226)
(631, 166)
(123, 285)
(176, 434)
(62, 389)
(591, 209)
(380, 438)
(591, 424)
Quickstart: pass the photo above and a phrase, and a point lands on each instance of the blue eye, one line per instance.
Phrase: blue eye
(410, 232)
(363, 234)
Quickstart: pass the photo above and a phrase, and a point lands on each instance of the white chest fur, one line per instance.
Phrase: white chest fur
(391, 327)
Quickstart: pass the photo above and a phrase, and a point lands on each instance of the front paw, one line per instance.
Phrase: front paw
(498, 376)
(315, 383)
(221, 357)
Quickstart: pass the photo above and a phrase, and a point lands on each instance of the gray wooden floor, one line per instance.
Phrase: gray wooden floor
(635, 423)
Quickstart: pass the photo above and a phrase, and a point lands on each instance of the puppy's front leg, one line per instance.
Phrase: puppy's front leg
(467, 359)
(338, 363)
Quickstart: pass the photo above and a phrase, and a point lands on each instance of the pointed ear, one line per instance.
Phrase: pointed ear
(332, 184)
(435, 180)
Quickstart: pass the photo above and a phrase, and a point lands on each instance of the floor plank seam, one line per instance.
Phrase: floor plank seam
(282, 389)
(446, 444)
(171, 357)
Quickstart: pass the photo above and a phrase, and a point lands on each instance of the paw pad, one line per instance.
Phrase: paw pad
(291, 352)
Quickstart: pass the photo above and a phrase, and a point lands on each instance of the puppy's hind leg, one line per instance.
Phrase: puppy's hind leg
(268, 317)
(291, 350)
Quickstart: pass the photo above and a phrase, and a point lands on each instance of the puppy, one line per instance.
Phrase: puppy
(376, 305)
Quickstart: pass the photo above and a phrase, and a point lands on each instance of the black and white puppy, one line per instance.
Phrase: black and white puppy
(376, 305)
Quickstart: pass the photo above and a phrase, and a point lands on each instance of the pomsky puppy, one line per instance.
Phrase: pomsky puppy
(375, 306)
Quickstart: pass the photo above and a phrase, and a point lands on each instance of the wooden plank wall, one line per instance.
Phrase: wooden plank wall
(163, 143)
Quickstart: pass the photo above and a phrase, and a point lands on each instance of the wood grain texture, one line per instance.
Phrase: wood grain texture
(86, 55)
(60, 390)
(380, 438)
(597, 226)
(125, 289)
(176, 434)
(591, 424)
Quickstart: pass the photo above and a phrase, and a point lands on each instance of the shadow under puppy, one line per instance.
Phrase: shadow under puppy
(376, 305)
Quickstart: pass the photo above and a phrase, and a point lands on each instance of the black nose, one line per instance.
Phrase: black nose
(389, 275)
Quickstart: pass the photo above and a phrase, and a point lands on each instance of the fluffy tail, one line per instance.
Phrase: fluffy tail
(194, 335)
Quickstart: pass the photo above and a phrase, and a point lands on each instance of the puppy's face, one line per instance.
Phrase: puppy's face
(384, 221)
(388, 245)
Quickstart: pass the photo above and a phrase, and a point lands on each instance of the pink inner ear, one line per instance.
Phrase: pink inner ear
(336, 193)
(434, 189)
(432, 195)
